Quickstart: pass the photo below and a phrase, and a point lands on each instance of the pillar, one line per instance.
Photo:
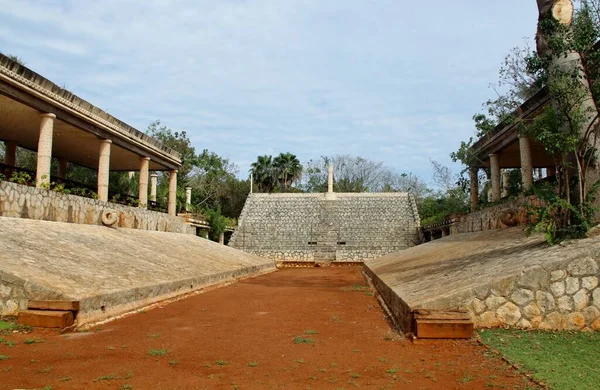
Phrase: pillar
(44, 152)
(188, 198)
(62, 168)
(505, 182)
(526, 163)
(495, 168)
(474, 188)
(330, 178)
(143, 182)
(172, 207)
(222, 238)
(153, 184)
(104, 169)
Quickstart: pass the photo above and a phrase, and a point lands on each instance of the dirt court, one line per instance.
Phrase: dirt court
(318, 328)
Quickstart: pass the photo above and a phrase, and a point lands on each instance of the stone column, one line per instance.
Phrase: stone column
(526, 163)
(330, 178)
(153, 183)
(495, 168)
(143, 182)
(10, 153)
(44, 152)
(505, 180)
(62, 168)
(222, 238)
(188, 198)
(474, 188)
(104, 169)
(172, 208)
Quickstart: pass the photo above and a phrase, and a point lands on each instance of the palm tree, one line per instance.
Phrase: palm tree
(262, 170)
(287, 168)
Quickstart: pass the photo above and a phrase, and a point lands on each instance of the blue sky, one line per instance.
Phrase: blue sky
(390, 80)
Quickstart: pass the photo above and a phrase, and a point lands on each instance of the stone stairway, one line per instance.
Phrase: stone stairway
(327, 233)
(442, 324)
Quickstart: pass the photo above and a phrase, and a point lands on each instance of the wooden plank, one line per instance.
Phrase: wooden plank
(441, 314)
(433, 329)
(46, 318)
(53, 305)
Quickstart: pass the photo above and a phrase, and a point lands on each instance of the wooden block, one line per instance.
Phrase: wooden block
(53, 305)
(444, 329)
(441, 314)
(45, 318)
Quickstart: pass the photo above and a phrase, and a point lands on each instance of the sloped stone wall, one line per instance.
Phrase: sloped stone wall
(565, 296)
(20, 201)
(326, 227)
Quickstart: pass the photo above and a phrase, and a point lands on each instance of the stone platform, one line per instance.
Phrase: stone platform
(109, 271)
(500, 277)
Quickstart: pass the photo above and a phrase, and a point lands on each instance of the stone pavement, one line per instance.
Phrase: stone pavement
(501, 277)
(111, 271)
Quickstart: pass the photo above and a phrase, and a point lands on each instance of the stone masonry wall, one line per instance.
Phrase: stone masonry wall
(322, 227)
(563, 296)
(19, 201)
(489, 218)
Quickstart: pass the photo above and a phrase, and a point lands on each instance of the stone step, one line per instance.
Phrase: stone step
(46, 318)
(441, 324)
(53, 305)
(320, 256)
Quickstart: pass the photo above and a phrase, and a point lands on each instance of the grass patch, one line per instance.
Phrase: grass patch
(563, 360)
(3, 357)
(252, 364)
(355, 375)
(173, 362)
(158, 352)
(153, 335)
(301, 361)
(126, 386)
(8, 343)
(105, 378)
(221, 363)
(311, 331)
(392, 370)
(302, 340)
(4, 325)
(64, 379)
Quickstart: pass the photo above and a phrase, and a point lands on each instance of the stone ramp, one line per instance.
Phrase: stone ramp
(109, 271)
(500, 277)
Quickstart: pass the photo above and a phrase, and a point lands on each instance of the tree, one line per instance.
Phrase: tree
(287, 169)
(262, 172)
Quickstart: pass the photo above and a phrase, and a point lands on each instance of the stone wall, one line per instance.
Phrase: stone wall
(20, 201)
(490, 218)
(564, 296)
(327, 227)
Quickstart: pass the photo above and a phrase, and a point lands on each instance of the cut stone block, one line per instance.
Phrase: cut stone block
(45, 318)
(53, 305)
(443, 324)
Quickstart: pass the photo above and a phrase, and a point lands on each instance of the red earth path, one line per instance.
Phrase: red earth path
(315, 328)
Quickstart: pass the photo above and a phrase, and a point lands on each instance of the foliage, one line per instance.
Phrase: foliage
(276, 174)
(16, 59)
(217, 223)
(563, 360)
(20, 177)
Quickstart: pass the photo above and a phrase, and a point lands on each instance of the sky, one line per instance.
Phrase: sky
(389, 80)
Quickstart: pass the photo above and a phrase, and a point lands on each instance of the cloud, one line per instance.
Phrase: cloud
(380, 79)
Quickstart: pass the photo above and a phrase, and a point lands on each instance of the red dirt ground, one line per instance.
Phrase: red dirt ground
(242, 336)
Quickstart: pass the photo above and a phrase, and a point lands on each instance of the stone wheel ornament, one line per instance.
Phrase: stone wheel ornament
(509, 218)
(109, 217)
(562, 10)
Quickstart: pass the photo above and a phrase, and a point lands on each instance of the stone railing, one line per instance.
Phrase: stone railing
(21, 201)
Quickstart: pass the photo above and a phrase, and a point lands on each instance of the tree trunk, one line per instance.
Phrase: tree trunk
(568, 63)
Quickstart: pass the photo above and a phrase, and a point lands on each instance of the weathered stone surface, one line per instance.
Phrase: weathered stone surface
(583, 267)
(596, 324)
(508, 314)
(553, 321)
(565, 303)
(575, 321)
(488, 320)
(558, 275)
(531, 311)
(581, 300)
(589, 282)
(558, 289)
(503, 287)
(478, 306)
(534, 278)
(493, 302)
(524, 324)
(571, 285)
(545, 301)
(591, 313)
(596, 297)
(522, 296)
